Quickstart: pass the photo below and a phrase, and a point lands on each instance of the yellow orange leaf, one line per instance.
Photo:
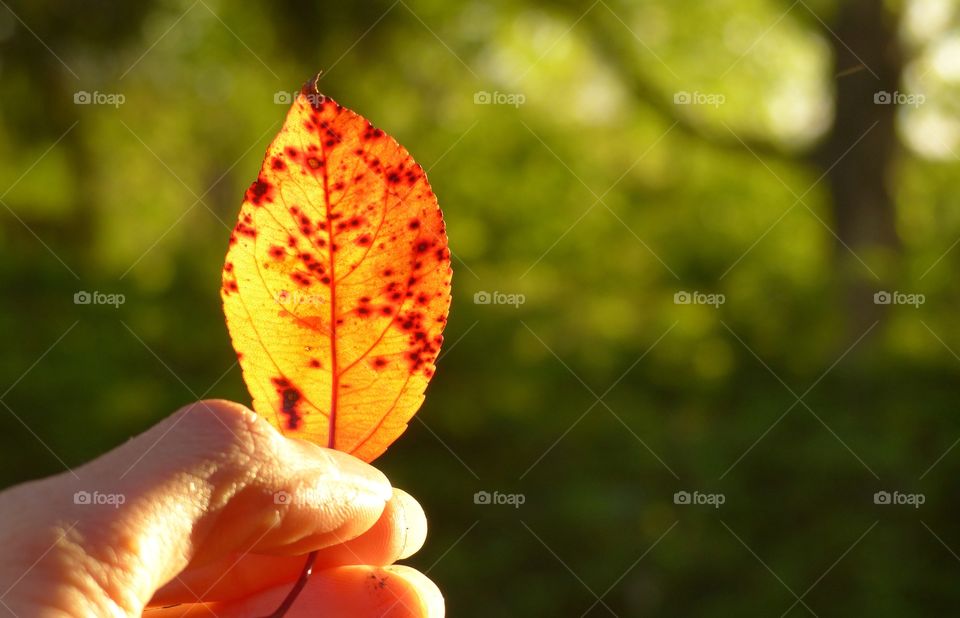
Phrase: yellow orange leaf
(336, 285)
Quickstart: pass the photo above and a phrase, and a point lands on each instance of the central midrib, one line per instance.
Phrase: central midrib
(334, 370)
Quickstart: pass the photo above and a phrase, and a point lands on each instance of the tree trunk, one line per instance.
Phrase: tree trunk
(859, 176)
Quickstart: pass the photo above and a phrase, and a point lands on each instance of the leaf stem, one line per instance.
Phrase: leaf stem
(297, 587)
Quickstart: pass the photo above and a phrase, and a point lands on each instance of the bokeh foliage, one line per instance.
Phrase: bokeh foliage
(595, 203)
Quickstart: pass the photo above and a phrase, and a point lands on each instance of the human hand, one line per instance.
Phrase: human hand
(212, 510)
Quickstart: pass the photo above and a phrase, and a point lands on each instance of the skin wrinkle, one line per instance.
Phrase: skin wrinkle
(249, 447)
(260, 449)
(116, 596)
(107, 551)
(81, 585)
(212, 475)
(118, 564)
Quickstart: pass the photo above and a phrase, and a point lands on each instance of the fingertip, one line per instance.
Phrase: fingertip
(411, 522)
(385, 592)
(421, 593)
(399, 532)
(348, 592)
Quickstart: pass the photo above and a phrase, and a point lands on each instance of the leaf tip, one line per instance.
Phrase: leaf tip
(311, 92)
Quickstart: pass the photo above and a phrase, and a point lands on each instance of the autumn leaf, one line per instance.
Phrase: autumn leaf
(336, 285)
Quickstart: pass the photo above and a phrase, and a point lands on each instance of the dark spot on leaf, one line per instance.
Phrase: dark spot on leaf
(259, 192)
(290, 398)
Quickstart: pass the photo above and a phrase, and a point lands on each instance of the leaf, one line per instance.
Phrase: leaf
(336, 285)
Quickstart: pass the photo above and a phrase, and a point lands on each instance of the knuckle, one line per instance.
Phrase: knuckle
(228, 431)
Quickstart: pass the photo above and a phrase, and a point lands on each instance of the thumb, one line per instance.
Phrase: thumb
(210, 480)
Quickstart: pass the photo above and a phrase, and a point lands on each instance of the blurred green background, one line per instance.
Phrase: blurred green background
(598, 159)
